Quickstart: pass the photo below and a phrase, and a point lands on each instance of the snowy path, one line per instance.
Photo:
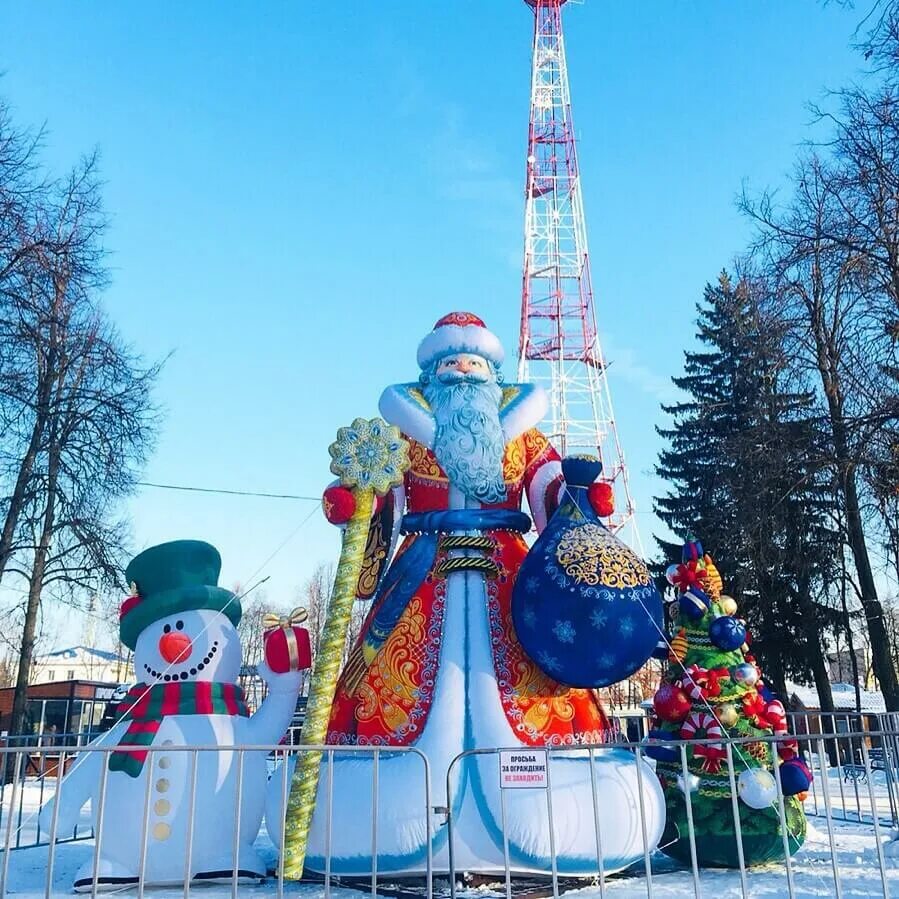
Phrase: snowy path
(812, 869)
(31, 796)
(812, 873)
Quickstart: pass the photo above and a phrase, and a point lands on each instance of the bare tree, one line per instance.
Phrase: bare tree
(251, 629)
(314, 596)
(75, 398)
(821, 284)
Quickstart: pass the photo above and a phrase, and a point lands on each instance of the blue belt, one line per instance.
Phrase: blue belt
(449, 520)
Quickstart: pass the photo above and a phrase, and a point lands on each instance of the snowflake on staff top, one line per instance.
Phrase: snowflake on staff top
(370, 455)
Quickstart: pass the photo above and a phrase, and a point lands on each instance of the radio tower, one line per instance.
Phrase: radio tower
(559, 345)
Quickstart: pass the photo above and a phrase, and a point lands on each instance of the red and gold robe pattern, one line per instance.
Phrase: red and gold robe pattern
(389, 706)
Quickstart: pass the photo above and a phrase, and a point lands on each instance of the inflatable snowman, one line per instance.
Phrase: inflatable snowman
(187, 657)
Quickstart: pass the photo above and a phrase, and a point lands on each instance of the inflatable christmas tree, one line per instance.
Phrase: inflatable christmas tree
(713, 688)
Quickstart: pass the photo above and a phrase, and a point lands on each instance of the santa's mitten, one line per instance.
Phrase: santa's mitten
(288, 682)
(339, 504)
(602, 499)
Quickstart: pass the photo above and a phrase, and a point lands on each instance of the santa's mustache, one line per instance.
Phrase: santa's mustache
(458, 377)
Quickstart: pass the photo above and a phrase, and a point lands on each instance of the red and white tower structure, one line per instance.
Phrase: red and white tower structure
(559, 343)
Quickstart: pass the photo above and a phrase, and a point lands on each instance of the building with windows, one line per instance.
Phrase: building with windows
(60, 713)
(81, 663)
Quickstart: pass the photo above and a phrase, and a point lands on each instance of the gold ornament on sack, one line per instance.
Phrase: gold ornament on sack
(271, 620)
(589, 554)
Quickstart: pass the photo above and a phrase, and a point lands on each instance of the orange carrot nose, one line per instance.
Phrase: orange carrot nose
(175, 646)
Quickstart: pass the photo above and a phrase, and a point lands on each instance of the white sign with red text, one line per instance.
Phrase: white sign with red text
(523, 769)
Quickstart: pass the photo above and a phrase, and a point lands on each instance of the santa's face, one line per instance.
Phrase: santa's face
(198, 645)
(464, 396)
(464, 367)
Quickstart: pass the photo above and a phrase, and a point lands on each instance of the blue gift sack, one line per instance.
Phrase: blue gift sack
(584, 606)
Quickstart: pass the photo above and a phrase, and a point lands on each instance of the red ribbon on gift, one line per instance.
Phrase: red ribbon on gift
(788, 749)
(297, 654)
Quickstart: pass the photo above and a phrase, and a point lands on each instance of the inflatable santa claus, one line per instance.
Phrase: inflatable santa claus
(439, 667)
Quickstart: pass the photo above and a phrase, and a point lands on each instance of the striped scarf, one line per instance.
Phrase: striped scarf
(145, 707)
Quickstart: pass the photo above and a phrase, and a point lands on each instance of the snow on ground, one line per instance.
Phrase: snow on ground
(29, 798)
(812, 873)
(812, 868)
(28, 867)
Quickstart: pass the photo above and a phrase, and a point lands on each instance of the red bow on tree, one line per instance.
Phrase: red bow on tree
(690, 575)
(788, 749)
(755, 709)
(714, 678)
(701, 683)
(712, 756)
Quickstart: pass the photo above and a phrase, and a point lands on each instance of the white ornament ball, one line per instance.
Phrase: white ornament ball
(746, 674)
(756, 787)
(670, 573)
(690, 785)
(728, 605)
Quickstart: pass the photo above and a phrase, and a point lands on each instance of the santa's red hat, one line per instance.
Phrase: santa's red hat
(460, 332)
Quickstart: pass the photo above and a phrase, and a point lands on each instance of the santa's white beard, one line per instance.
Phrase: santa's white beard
(469, 442)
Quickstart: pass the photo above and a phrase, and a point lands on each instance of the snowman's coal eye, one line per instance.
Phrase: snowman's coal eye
(167, 629)
(179, 625)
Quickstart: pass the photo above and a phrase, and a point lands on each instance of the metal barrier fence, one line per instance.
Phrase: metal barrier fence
(41, 757)
(20, 811)
(851, 807)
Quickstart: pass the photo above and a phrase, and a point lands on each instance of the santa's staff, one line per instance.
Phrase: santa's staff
(369, 457)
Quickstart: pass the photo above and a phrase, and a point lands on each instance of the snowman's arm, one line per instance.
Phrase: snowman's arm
(79, 784)
(272, 718)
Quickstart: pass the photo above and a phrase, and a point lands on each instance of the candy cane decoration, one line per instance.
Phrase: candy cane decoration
(704, 726)
(777, 717)
(695, 677)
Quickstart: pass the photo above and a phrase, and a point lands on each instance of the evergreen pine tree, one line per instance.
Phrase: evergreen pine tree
(746, 471)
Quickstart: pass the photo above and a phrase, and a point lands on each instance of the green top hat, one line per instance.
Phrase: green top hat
(174, 577)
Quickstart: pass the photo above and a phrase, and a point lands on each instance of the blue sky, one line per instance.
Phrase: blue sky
(298, 191)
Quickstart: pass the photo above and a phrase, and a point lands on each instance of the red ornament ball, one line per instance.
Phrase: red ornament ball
(671, 703)
(338, 504)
